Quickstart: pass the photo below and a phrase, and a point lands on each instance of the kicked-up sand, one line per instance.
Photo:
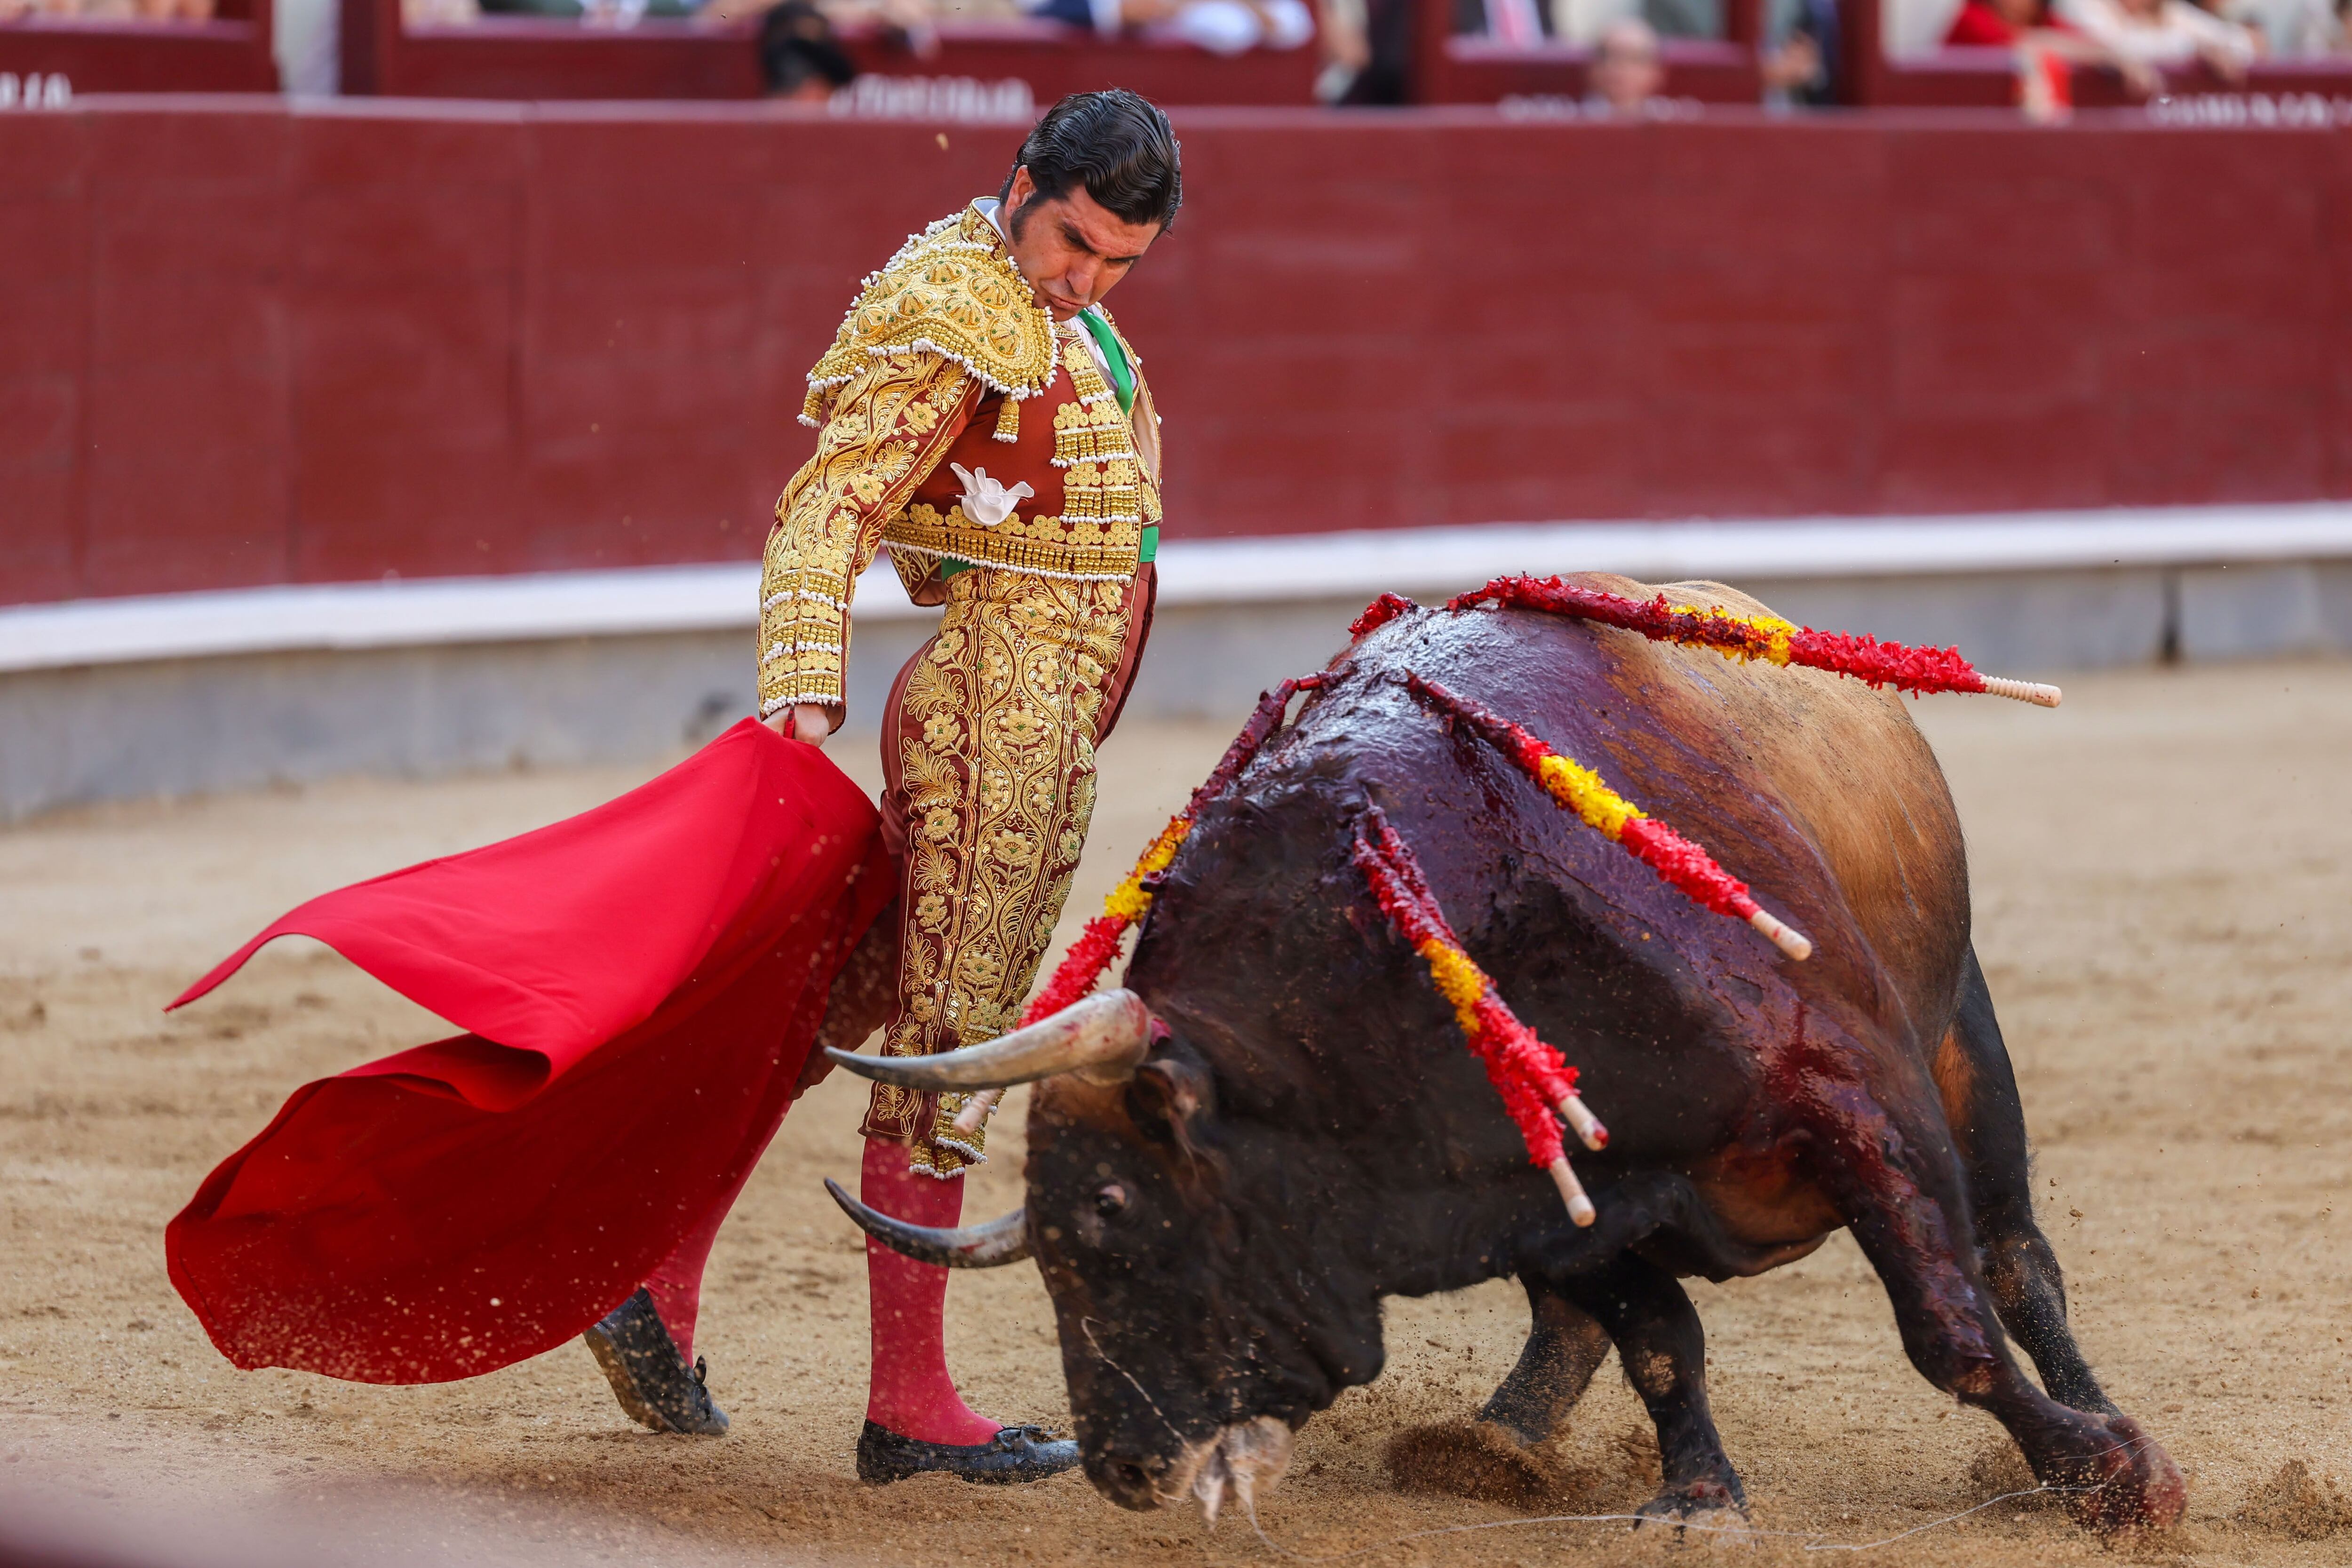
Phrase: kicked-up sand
(2162, 870)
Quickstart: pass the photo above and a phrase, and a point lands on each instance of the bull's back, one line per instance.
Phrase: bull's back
(1817, 792)
(1816, 789)
(1859, 784)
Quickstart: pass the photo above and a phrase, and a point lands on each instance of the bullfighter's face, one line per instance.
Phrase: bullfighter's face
(1071, 249)
(1201, 1320)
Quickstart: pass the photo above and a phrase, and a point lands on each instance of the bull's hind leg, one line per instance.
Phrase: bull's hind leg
(1987, 1120)
(1900, 1187)
(1663, 1350)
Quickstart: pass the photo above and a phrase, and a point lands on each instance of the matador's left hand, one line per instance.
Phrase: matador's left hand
(810, 722)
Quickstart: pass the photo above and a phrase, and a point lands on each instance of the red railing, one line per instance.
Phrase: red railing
(1450, 68)
(1986, 78)
(529, 58)
(246, 346)
(231, 53)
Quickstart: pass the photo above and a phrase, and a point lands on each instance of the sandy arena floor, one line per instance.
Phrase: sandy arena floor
(2161, 870)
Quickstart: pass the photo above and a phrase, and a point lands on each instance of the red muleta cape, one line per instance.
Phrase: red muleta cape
(642, 984)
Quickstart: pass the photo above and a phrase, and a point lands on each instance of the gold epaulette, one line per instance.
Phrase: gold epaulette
(951, 291)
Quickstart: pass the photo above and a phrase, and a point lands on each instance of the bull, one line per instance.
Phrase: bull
(1274, 1125)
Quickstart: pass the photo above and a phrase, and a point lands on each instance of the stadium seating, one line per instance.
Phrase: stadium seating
(532, 57)
(1902, 63)
(229, 52)
(2275, 92)
(1467, 69)
(247, 345)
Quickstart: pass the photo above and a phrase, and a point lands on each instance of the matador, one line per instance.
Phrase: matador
(661, 971)
(982, 416)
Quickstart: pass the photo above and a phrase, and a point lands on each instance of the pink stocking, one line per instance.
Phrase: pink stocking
(676, 1283)
(911, 1392)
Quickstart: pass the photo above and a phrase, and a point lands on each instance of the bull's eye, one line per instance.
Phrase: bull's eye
(1110, 1199)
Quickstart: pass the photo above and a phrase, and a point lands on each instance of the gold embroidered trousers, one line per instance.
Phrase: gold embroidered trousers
(993, 732)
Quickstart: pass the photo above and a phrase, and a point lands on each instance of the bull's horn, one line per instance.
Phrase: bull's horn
(1102, 1040)
(1000, 1241)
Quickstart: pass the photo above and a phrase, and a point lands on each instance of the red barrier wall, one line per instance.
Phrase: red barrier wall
(247, 345)
(531, 57)
(229, 54)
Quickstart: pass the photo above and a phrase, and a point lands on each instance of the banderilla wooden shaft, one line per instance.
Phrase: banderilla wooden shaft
(1782, 935)
(1571, 1192)
(2032, 692)
(1587, 1127)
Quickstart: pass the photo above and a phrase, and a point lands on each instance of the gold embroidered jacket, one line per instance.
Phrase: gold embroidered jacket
(936, 363)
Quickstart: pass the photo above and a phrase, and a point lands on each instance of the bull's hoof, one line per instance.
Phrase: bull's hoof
(2123, 1480)
(1715, 1509)
(1476, 1460)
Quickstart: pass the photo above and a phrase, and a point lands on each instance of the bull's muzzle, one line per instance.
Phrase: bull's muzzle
(1235, 1461)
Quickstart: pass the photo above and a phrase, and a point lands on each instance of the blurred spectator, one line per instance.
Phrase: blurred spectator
(2294, 30)
(2043, 37)
(799, 50)
(2287, 28)
(1684, 18)
(2002, 22)
(1803, 67)
(798, 44)
(1222, 26)
(1385, 77)
(591, 13)
(1516, 22)
(1345, 27)
(439, 12)
(800, 55)
(1627, 71)
(111, 10)
(2164, 33)
(305, 39)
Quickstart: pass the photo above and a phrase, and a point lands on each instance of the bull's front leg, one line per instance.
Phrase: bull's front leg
(1897, 1181)
(1662, 1348)
(1505, 1454)
(1565, 1347)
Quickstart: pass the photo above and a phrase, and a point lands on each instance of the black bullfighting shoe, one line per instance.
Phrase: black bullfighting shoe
(1015, 1454)
(648, 1375)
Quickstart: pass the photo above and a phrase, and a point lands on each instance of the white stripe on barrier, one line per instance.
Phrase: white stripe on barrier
(642, 601)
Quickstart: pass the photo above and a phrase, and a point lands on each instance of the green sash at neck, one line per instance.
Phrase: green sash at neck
(1122, 374)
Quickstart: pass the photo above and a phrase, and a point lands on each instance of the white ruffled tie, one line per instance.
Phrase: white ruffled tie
(985, 501)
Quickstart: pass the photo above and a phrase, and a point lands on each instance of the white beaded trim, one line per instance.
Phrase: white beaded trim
(1041, 571)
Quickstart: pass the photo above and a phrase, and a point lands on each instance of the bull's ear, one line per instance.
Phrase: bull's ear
(1169, 1093)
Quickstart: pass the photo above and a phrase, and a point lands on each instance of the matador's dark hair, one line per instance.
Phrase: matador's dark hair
(1116, 144)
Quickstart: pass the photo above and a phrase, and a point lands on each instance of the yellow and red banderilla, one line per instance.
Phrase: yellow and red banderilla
(1534, 1079)
(1678, 862)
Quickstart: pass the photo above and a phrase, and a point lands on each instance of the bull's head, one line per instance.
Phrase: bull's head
(1201, 1317)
